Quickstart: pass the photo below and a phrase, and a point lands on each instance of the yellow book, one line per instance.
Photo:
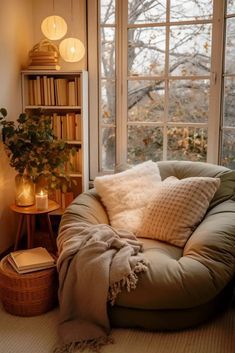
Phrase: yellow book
(32, 258)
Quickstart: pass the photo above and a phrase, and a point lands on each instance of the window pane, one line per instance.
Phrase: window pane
(187, 143)
(146, 51)
(107, 11)
(189, 101)
(230, 46)
(190, 49)
(229, 102)
(108, 110)
(146, 100)
(144, 143)
(107, 54)
(108, 148)
(146, 11)
(230, 7)
(185, 10)
(228, 149)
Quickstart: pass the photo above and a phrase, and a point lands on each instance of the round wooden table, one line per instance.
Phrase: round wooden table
(29, 212)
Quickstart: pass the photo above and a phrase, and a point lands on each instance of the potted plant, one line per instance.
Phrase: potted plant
(34, 152)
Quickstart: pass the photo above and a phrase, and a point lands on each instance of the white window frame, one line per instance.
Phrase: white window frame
(214, 118)
(223, 127)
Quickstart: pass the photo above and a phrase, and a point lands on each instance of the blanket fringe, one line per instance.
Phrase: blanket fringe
(94, 345)
(129, 281)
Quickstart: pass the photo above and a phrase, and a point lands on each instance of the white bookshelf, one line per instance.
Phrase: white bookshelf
(62, 87)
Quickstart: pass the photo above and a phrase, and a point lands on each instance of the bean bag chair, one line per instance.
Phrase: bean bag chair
(184, 285)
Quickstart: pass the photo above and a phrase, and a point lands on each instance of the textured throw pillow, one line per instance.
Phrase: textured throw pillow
(125, 195)
(177, 208)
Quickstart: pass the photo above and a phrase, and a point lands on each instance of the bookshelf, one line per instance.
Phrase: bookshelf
(64, 96)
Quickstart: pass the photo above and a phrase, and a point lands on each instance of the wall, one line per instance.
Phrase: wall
(15, 40)
(76, 23)
(20, 22)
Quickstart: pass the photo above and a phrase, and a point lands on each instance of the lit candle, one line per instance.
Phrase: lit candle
(41, 201)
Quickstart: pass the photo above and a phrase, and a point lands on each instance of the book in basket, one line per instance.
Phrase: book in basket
(29, 260)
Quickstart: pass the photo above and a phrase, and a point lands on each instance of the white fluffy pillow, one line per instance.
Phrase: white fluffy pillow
(126, 194)
(177, 208)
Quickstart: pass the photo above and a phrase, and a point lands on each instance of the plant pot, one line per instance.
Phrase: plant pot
(25, 194)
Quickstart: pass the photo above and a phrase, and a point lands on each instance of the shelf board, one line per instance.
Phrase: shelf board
(42, 72)
(54, 107)
(75, 175)
(74, 142)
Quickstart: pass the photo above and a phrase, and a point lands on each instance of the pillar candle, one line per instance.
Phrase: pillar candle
(41, 201)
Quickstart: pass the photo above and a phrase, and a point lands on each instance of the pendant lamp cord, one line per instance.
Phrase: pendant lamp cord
(71, 12)
(53, 6)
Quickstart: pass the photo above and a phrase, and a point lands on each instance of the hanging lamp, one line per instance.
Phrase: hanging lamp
(54, 27)
(72, 49)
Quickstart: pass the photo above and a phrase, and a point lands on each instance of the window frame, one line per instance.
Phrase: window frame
(215, 106)
(224, 75)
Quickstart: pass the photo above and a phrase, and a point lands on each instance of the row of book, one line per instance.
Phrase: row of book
(51, 91)
(75, 162)
(29, 260)
(67, 127)
(64, 199)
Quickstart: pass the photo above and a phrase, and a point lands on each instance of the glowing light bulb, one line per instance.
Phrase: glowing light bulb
(72, 49)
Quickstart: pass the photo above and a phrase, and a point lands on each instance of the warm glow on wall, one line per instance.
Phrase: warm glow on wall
(72, 49)
(54, 27)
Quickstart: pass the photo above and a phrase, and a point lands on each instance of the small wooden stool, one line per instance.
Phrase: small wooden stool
(29, 213)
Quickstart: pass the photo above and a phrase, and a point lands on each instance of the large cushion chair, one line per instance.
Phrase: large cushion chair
(183, 286)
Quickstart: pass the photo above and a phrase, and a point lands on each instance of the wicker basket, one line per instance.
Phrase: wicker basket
(27, 294)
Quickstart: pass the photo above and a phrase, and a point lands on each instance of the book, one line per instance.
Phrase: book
(66, 199)
(24, 261)
(33, 269)
(71, 93)
(44, 67)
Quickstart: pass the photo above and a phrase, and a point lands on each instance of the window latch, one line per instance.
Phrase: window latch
(213, 77)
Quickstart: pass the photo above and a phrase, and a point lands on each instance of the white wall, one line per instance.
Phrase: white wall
(16, 38)
(20, 22)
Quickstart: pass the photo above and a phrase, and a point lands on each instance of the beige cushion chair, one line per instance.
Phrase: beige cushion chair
(183, 286)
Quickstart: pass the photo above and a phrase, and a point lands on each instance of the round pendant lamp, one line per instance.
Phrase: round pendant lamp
(54, 27)
(72, 50)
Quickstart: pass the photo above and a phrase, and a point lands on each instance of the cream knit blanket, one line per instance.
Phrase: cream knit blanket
(95, 263)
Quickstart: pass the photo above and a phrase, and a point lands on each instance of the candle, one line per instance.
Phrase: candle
(41, 201)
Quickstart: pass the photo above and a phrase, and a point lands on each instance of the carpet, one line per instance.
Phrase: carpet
(38, 335)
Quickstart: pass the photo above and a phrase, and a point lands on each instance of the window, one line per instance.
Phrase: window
(156, 86)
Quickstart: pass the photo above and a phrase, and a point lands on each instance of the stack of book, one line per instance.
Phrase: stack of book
(30, 260)
(44, 60)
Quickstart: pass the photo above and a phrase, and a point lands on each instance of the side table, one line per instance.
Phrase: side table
(30, 212)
